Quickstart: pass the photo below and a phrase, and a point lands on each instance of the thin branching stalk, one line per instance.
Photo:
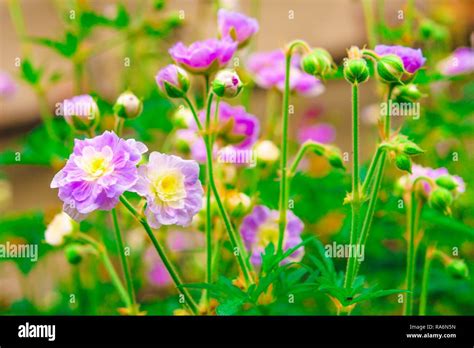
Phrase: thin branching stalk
(425, 281)
(125, 265)
(284, 190)
(189, 301)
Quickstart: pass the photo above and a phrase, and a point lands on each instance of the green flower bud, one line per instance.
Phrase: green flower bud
(227, 84)
(128, 105)
(73, 253)
(441, 199)
(458, 269)
(334, 157)
(407, 94)
(317, 63)
(411, 149)
(237, 203)
(447, 182)
(403, 162)
(356, 70)
(391, 70)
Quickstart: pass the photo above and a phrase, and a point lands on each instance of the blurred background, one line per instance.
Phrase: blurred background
(128, 45)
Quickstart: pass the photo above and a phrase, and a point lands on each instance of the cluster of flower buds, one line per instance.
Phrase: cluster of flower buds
(318, 63)
(402, 149)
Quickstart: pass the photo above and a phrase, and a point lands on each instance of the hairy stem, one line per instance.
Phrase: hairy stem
(355, 202)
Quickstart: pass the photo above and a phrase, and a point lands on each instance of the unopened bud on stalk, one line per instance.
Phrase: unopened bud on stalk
(73, 253)
(227, 84)
(81, 112)
(334, 157)
(411, 149)
(447, 182)
(356, 70)
(237, 203)
(128, 105)
(318, 62)
(403, 162)
(391, 70)
(173, 81)
(457, 269)
(441, 199)
(407, 94)
(267, 151)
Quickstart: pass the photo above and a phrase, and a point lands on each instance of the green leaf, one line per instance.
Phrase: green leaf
(29, 73)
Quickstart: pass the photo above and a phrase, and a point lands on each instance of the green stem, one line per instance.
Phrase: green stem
(45, 114)
(387, 116)
(193, 110)
(125, 265)
(78, 76)
(414, 212)
(166, 261)
(114, 277)
(119, 122)
(108, 266)
(367, 6)
(425, 281)
(371, 170)
(369, 215)
(237, 245)
(284, 190)
(355, 202)
(305, 147)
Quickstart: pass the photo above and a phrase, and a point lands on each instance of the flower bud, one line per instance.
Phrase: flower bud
(227, 84)
(334, 157)
(447, 182)
(267, 151)
(441, 199)
(237, 203)
(128, 105)
(81, 112)
(57, 230)
(173, 81)
(391, 70)
(403, 162)
(407, 94)
(457, 269)
(73, 253)
(356, 70)
(317, 63)
(183, 117)
(411, 149)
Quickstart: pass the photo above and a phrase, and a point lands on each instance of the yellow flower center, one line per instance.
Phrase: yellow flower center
(169, 187)
(268, 233)
(95, 164)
